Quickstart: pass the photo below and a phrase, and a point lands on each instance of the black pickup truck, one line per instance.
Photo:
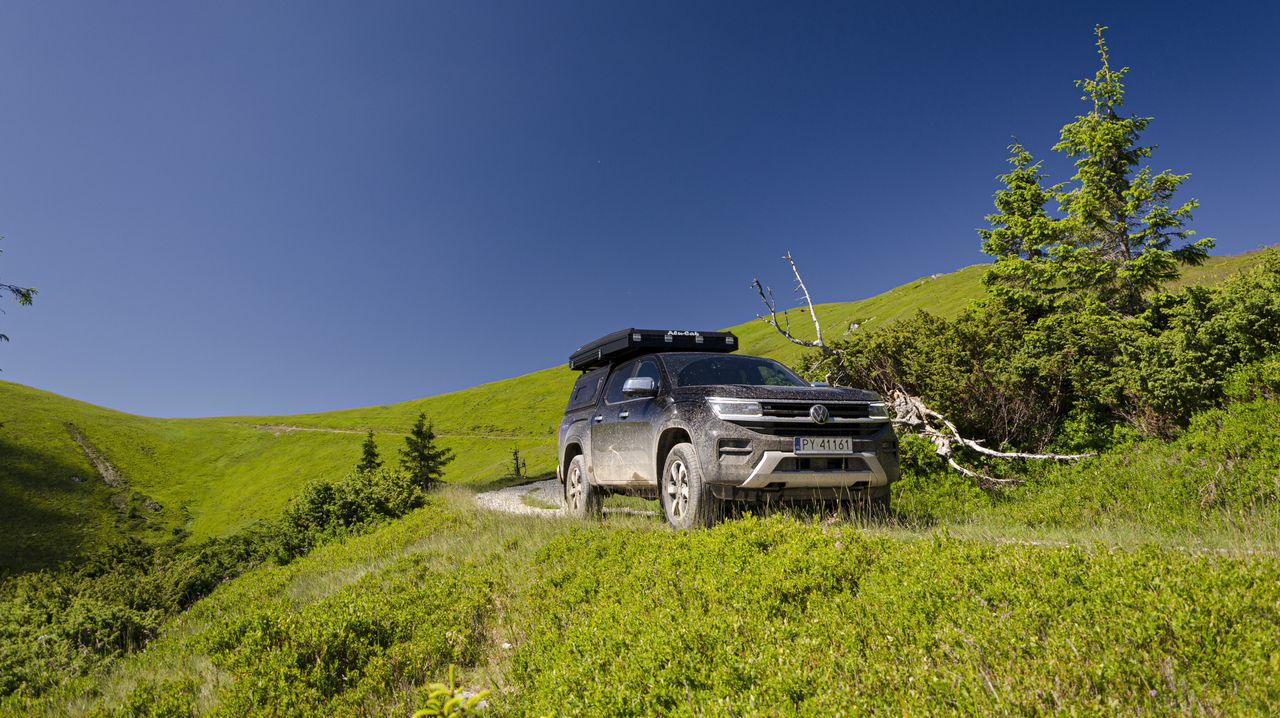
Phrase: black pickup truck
(676, 415)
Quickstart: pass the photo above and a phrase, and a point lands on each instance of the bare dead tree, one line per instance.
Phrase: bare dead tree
(909, 411)
(840, 373)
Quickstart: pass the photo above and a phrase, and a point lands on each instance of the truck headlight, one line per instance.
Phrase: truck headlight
(725, 407)
(877, 410)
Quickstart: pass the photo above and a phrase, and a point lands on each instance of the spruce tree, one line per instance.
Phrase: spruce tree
(420, 458)
(369, 459)
(1023, 235)
(1118, 235)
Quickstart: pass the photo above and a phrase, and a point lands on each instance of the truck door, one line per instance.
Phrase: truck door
(634, 430)
(606, 444)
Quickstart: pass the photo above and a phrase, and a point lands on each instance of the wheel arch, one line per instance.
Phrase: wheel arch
(571, 450)
(667, 440)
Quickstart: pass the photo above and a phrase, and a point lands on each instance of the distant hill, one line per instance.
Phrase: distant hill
(208, 477)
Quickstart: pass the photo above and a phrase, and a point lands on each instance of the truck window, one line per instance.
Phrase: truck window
(649, 368)
(587, 389)
(615, 395)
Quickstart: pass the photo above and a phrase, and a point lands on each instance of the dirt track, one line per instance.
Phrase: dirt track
(512, 499)
(509, 500)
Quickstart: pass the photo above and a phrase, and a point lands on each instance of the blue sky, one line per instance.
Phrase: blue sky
(272, 207)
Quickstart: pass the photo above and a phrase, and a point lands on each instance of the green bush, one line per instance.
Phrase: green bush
(59, 624)
(1223, 469)
(1183, 351)
(352, 651)
(1080, 380)
(766, 617)
(326, 508)
(168, 699)
(1260, 380)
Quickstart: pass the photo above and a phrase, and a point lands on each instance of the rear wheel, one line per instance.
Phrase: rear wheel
(581, 499)
(685, 499)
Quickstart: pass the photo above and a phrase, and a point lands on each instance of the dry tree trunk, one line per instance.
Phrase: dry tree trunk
(909, 411)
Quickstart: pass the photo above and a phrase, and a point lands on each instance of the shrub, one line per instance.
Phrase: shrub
(766, 617)
(1076, 380)
(326, 508)
(59, 624)
(355, 649)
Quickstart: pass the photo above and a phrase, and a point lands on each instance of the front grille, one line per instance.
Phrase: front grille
(862, 429)
(818, 463)
(794, 409)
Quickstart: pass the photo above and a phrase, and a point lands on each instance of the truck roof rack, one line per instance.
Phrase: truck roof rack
(634, 342)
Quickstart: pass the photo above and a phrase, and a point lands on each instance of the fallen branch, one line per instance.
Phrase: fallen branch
(911, 411)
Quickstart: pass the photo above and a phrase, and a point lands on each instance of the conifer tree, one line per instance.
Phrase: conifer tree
(369, 459)
(1023, 235)
(420, 458)
(1118, 236)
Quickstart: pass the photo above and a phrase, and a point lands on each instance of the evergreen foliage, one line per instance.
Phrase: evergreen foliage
(55, 624)
(421, 458)
(369, 459)
(1118, 234)
(1075, 380)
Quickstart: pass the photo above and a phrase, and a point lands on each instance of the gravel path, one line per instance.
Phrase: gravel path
(509, 500)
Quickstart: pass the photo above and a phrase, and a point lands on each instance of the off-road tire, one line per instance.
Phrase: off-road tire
(581, 499)
(686, 500)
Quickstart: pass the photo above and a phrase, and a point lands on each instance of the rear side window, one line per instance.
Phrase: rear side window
(586, 390)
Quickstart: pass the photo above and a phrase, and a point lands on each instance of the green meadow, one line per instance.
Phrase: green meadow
(215, 476)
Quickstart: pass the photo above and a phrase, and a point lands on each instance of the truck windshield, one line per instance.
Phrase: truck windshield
(703, 370)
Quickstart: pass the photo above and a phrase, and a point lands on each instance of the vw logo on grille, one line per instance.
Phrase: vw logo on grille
(819, 414)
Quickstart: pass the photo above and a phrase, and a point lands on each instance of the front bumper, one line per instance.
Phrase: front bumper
(785, 469)
(742, 462)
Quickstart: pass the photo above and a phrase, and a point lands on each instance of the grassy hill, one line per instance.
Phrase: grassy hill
(208, 477)
(1140, 582)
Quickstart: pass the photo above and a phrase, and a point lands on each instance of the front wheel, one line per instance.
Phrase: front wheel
(581, 499)
(686, 501)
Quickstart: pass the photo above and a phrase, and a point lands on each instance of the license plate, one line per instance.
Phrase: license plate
(824, 445)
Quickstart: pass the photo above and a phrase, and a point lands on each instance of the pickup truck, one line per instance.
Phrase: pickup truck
(677, 416)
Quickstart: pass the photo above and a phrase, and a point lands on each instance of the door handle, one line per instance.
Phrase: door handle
(599, 418)
(623, 414)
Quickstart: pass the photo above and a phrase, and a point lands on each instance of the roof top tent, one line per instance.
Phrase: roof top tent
(634, 342)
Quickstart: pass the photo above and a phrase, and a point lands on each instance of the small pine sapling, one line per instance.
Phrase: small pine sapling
(369, 459)
(421, 458)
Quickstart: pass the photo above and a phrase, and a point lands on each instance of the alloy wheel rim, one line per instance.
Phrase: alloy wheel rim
(677, 489)
(575, 488)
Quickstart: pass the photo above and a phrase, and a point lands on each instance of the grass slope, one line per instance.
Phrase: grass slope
(213, 476)
(773, 616)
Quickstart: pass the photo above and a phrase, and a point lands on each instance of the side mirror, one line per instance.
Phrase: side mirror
(638, 386)
(819, 384)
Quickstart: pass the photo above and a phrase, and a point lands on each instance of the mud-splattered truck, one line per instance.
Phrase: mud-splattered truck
(678, 416)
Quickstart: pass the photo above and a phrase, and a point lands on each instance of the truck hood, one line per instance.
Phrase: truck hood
(745, 391)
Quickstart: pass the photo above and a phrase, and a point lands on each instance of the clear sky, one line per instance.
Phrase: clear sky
(271, 207)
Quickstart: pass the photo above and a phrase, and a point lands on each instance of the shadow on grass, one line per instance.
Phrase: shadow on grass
(45, 515)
